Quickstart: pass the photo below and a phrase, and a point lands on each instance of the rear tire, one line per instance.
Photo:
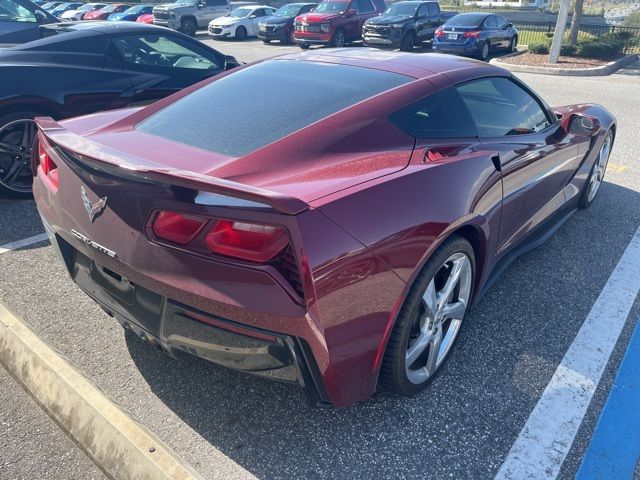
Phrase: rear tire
(430, 319)
(484, 51)
(513, 44)
(15, 169)
(188, 27)
(266, 42)
(408, 42)
(241, 34)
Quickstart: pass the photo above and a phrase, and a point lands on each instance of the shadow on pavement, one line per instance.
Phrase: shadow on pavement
(464, 424)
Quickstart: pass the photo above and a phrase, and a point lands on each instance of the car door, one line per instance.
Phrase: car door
(160, 65)
(490, 26)
(216, 9)
(503, 31)
(422, 22)
(254, 18)
(434, 19)
(537, 158)
(364, 10)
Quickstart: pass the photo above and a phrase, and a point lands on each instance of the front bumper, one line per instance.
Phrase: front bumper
(314, 38)
(180, 330)
(221, 32)
(378, 41)
(169, 23)
(280, 33)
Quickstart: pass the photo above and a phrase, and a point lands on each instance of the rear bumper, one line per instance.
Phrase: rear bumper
(460, 49)
(180, 330)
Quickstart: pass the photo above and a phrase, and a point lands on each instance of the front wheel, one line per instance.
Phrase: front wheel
(266, 42)
(430, 318)
(513, 44)
(17, 132)
(408, 42)
(304, 46)
(241, 34)
(188, 27)
(597, 172)
(338, 40)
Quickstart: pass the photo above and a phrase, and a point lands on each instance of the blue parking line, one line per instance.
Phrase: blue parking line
(614, 450)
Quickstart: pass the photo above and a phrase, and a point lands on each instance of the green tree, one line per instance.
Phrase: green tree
(632, 20)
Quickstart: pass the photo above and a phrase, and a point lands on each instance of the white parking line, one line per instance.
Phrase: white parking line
(546, 438)
(23, 243)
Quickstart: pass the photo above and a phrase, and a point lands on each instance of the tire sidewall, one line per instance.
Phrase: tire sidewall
(4, 120)
(393, 374)
(408, 42)
(189, 27)
(241, 33)
(584, 199)
(481, 55)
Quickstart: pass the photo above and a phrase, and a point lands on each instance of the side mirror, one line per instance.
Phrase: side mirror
(351, 12)
(578, 124)
(201, 4)
(40, 16)
(230, 62)
(253, 16)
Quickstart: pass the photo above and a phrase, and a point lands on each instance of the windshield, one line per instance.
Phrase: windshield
(241, 12)
(331, 7)
(466, 20)
(109, 8)
(135, 9)
(402, 9)
(287, 11)
(186, 2)
(12, 12)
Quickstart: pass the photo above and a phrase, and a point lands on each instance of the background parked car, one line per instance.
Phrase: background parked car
(405, 24)
(335, 22)
(79, 13)
(131, 14)
(189, 15)
(60, 9)
(280, 25)
(80, 68)
(51, 5)
(147, 18)
(19, 21)
(241, 23)
(476, 34)
(104, 13)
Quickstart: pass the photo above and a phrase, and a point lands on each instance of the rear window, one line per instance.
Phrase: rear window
(466, 20)
(258, 105)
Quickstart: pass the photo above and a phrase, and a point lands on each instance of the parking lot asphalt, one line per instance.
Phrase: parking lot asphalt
(229, 425)
(32, 445)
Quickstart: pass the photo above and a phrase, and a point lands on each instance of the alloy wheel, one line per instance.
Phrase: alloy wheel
(599, 167)
(485, 51)
(438, 322)
(338, 40)
(16, 141)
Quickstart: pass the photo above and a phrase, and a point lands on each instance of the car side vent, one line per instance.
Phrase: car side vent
(289, 268)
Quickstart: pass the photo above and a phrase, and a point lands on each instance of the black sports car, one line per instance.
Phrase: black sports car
(81, 68)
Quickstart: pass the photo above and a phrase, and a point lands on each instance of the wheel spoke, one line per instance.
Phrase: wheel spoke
(434, 350)
(430, 299)
(14, 171)
(444, 295)
(27, 134)
(454, 310)
(10, 149)
(417, 347)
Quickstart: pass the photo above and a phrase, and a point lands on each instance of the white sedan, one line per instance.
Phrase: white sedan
(241, 23)
(71, 15)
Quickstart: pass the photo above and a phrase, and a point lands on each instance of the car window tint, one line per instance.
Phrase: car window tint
(257, 105)
(423, 10)
(501, 21)
(163, 51)
(216, 3)
(12, 12)
(490, 22)
(363, 6)
(499, 107)
(432, 9)
(440, 115)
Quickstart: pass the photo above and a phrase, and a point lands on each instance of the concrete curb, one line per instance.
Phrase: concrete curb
(119, 445)
(607, 69)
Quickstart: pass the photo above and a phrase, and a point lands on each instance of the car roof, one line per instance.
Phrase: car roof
(105, 28)
(423, 65)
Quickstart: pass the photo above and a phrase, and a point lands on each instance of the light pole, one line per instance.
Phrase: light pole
(561, 25)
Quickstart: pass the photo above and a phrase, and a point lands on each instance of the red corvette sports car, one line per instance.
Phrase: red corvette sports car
(337, 235)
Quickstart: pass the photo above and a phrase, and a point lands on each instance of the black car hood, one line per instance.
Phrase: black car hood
(389, 19)
(277, 20)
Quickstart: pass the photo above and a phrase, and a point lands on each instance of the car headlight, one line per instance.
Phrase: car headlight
(280, 25)
(325, 27)
(397, 25)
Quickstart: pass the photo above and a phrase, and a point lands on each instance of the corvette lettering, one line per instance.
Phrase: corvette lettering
(93, 244)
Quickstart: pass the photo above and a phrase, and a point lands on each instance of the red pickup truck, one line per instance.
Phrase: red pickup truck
(335, 22)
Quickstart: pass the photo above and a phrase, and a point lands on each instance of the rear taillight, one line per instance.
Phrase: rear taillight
(471, 34)
(47, 166)
(254, 242)
(439, 32)
(177, 227)
(248, 241)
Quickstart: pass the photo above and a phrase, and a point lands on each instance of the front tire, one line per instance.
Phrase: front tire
(597, 172)
(17, 132)
(430, 319)
(513, 44)
(339, 40)
(304, 46)
(188, 27)
(408, 42)
(241, 34)
(266, 42)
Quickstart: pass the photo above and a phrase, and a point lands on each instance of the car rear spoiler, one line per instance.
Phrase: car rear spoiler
(117, 162)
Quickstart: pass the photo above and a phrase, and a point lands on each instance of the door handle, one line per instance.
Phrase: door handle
(496, 162)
